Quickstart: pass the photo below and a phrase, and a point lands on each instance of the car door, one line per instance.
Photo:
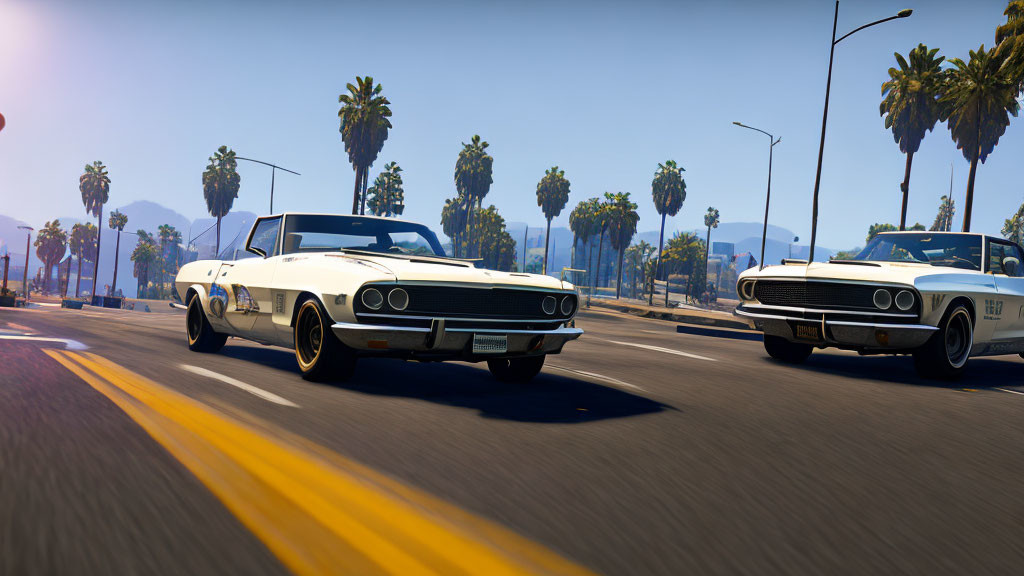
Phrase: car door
(1005, 262)
(254, 278)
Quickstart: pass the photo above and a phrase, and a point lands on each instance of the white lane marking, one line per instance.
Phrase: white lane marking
(268, 396)
(1010, 391)
(656, 331)
(608, 379)
(665, 350)
(68, 343)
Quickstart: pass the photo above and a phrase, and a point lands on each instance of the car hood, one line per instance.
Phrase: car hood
(429, 269)
(890, 272)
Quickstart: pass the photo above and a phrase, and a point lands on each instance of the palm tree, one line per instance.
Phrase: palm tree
(169, 240)
(386, 196)
(711, 221)
(1013, 228)
(682, 252)
(910, 104)
(220, 185)
(82, 244)
(669, 192)
(944, 218)
(622, 221)
(1010, 41)
(473, 178)
(581, 222)
(552, 195)
(51, 243)
(453, 221)
(364, 126)
(978, 97)
(144, 255)
(117, 222)
(95, 187)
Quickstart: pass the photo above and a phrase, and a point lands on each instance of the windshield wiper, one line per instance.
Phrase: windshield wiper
(854, 263)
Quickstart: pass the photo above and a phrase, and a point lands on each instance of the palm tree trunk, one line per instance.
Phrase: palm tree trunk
(547, 242)
(78, 278)
(657, 267)
(707, 260)
(600, 247)
(969, 200)
(356, 192)
(117, 252)
(906, 191)
(362, 196)
(96, 263)
(218, 237)
(618, 283)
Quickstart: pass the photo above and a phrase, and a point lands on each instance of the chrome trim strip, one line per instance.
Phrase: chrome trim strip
(831, 281)
(562, 331)
(454, 319)
(474, 285)
(763, 316)
(884, 326)
(825, 311)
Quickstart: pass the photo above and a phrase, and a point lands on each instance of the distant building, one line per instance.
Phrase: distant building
(727, 249)
(744, 261)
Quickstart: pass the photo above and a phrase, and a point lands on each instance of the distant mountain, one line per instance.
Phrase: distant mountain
(12, 241)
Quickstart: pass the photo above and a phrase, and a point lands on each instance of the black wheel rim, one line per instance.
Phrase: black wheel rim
(309, 335)
(959, 336)
(194, 320)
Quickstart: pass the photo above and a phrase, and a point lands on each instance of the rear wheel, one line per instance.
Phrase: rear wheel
(516, 369)
(781, 349)
(945, 354)
(321, 356)
(201, 337)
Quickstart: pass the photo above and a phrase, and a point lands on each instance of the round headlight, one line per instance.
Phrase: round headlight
(398, 299)
(747, 290)
(372, 298)
(548, 304)
(905, 300)
(568, 305)
(882, 299)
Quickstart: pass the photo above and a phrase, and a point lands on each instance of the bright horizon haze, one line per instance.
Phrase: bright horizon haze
(603, 90)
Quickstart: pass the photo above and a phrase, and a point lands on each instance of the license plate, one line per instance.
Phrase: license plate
(810, 332)
(489, 344)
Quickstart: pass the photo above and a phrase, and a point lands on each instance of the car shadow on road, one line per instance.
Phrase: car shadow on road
(549, 398)
(981, 373)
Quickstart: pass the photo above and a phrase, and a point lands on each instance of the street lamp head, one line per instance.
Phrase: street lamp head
(777, 140)
(904, 13)
(737, 123)
(29, 228)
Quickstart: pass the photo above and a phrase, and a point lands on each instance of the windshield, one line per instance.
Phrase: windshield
(322, 233)
(952, 250)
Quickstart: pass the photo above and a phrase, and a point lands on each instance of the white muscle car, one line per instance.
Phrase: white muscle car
(941, 296)
(335, 288)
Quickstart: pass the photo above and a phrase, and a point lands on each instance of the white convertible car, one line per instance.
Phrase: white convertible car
(941, 296)
(335, 288)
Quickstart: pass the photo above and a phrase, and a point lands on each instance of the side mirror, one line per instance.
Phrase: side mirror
(1011, 266)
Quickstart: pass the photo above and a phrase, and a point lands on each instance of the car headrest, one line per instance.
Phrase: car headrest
(292, 242)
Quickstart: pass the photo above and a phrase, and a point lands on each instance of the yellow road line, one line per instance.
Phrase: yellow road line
(318, 512)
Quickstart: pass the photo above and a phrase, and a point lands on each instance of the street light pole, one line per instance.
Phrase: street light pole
(28, 248)
(768, 197)
(824, 115)
(273, 170)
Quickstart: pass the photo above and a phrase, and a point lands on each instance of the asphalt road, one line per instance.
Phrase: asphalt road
(637, 451)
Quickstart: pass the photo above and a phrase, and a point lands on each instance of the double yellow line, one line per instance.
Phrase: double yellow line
(318, 512)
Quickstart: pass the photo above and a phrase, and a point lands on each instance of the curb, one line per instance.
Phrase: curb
(711, 319)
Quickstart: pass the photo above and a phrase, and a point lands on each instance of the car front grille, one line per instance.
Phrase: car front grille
(462, 302)
(815, 295)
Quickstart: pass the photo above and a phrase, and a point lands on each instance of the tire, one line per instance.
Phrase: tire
(944, 356)
(319, 353)
(785, 351)
(200, 335)
(516, 369)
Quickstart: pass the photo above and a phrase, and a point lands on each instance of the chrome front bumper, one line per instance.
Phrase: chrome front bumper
(845, 333)
(437, 340)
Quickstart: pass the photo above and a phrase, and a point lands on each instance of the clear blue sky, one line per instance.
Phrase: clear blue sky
(605, 90)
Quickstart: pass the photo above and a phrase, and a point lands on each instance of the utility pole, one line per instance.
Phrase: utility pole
(273, 169)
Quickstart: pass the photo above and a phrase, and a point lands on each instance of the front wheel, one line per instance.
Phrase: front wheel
(321, 356)
(944, 355)
(790, 352)
(201, 337)
(516, 369)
